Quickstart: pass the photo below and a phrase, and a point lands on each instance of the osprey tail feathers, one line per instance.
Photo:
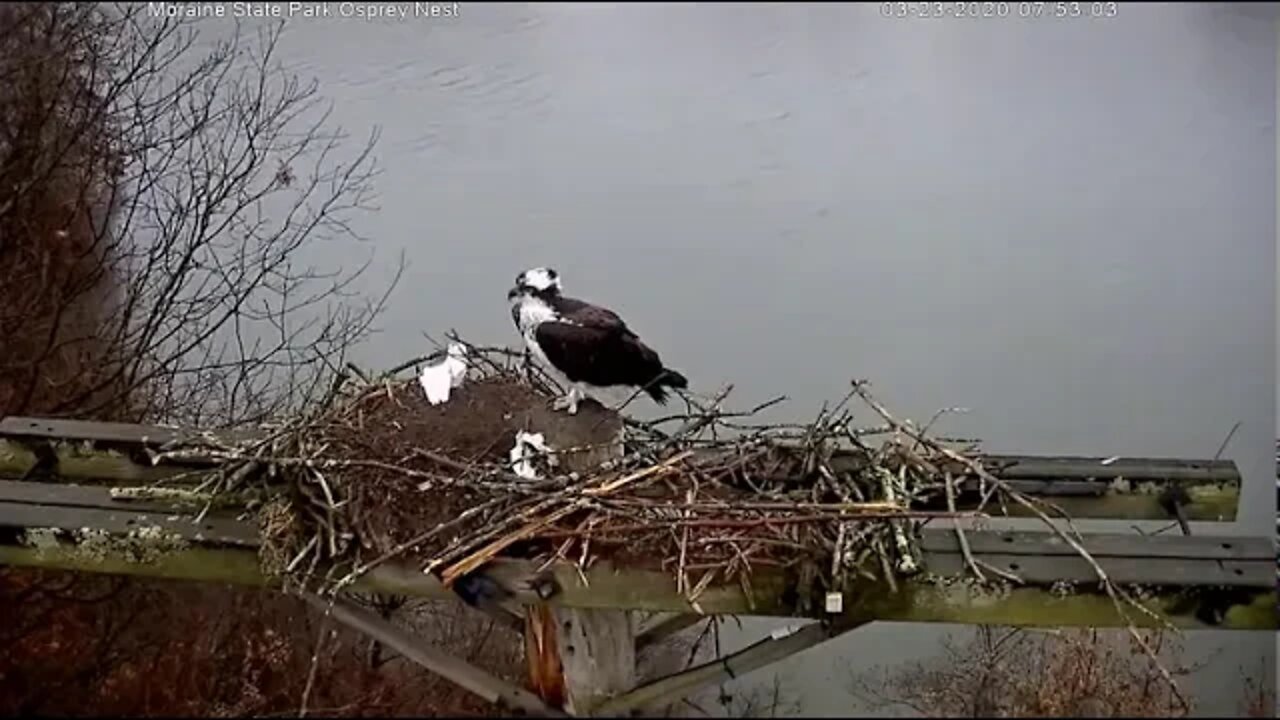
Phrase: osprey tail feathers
(657, 388)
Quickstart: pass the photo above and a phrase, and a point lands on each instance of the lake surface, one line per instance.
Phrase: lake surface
(1066, 225)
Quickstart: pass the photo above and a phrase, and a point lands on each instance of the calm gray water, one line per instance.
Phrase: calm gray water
(1066, 225)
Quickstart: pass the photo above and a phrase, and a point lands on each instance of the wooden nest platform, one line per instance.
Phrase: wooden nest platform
(376, 472)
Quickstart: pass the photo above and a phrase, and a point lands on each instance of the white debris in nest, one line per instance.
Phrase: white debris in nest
(439, 379)
(528, 447)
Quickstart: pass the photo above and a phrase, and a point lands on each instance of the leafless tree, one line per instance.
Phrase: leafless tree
(1011, 672)
(771, 701)
(163, 204)
(1260, 692)
(165, 198)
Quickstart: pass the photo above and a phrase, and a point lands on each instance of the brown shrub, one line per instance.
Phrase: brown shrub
(98, 646)
(1259, 697)
(1007, 672)
(84, 645)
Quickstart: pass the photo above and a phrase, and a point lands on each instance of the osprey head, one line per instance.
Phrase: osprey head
(535, 281)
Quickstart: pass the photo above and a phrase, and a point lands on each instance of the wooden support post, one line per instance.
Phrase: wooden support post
(580, 657)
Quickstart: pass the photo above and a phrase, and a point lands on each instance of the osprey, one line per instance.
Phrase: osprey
(586, 348)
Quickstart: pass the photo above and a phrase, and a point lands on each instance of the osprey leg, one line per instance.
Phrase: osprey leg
(569, 401)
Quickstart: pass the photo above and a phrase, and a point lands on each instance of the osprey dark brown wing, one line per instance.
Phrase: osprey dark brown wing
(588, 315)
(605, 355)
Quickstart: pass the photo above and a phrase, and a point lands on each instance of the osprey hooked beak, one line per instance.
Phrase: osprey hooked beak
(514, 292)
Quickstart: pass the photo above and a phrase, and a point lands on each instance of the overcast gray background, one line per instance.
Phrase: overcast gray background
(1068, 226)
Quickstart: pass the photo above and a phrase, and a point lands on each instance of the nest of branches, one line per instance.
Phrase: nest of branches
(376, 473)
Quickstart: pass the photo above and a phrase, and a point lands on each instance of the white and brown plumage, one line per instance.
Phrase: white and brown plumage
(585, 347)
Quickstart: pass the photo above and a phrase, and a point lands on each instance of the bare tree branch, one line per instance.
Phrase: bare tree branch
(195, 191)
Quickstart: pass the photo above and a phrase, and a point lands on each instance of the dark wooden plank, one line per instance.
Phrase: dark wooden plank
(57, 429)
(1172, 572)
(1078, 467)
(85, 496)
(1084, 487)
(109, 432)
(122, 465)
(1204, 507)
(75, 507)
(1060, 488)
(1020, 467)
(1041, 543)
(118, 522)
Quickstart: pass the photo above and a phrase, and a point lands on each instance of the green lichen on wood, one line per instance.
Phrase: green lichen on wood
(15, 458)
(968, 601)
(179, 563)
(1209, 503)
(88, 547)
(184, 499)
(141, 545)
(40, 539)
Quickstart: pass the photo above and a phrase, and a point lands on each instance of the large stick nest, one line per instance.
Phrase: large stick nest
(377, 473)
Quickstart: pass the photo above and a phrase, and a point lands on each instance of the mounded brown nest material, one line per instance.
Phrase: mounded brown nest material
(381, 473)
(476, 428)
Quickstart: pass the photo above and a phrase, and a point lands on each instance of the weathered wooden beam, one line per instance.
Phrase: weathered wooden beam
(77, 461)
(217, 530)
(1208, 503)
(489, 688)
(1043, 558)
(1213, 490)
(1007, 466)
(655, 632)
(612, 588)
(1037, 557)
(1077, 467)
(160, 500)
(780, 645)
(113, 433)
